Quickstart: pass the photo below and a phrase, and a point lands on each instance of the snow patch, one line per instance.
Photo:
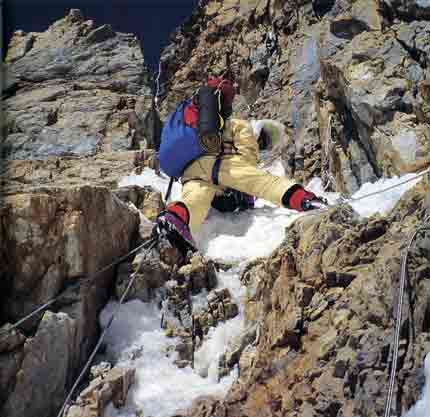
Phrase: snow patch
(379, 203)
(136, 339)
(422, 407)
(158, 182)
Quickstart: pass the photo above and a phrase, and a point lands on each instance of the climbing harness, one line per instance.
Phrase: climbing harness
(72, 287)
(395, 347)
(102, 336)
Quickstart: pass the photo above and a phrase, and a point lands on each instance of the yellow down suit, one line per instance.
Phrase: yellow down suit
(238, 170)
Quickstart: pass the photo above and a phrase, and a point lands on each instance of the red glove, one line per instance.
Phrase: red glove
(298, 197)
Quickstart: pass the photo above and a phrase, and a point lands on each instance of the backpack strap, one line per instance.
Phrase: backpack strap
(169, 189)
(215, 170)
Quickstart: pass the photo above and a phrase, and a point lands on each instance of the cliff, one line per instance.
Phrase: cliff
(350, 81)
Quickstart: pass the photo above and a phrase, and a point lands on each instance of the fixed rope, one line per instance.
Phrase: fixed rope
(103, 334)
(72, 287)
(157, 86)
(151, 243)
(355, 199)
(396, 342)
(308, 213)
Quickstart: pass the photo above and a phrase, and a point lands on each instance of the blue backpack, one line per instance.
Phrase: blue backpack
(180, 143)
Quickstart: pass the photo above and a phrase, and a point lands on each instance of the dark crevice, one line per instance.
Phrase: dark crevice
(426, 320)
(322, 7)
(417, 55)
(52, 118)
(351, 134)
(370, 156)
(260, 77)
(10, 91)
(122, 104)
(347, 28)
(386, 12)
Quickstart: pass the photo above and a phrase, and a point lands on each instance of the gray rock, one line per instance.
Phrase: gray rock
(112, 388)
(409, 9)
(56, 237)
(10, 364)
(46, 358)
(10, 339)
(80, 82)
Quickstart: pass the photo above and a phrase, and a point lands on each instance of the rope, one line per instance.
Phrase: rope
(308, 213)
(403, 275)
(102, 336)
(157, 87)
(352, 200)
(72, 287)
(422, 174)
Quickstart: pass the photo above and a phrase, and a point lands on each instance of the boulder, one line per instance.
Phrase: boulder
(110, 386)
(45, 357)
(105, 169)
(53, 238)
(146, 199)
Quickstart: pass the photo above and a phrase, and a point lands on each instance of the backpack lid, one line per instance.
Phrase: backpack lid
(225, 86)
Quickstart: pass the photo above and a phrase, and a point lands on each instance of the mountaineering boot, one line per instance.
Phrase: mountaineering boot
(172, 224)
(297, 198)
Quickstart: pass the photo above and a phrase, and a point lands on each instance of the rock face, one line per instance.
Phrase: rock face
(107, 386)
(105, 169)
(78, 89)
(348, 79)
(324, 305)
(78, 118)
(51, 239)
(351, 83)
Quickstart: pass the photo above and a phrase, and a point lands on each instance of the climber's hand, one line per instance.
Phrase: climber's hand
(314, 203)
(303, 200)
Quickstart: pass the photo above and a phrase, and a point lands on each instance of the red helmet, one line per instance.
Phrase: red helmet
(226, 86)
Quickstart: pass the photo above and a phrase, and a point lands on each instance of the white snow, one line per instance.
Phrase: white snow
(161, 387)
(149, 177)
(244, 235)
(135, 337)
(422, 407)
(380, 203)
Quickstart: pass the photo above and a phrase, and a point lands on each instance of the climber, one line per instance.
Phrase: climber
(233, 166)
